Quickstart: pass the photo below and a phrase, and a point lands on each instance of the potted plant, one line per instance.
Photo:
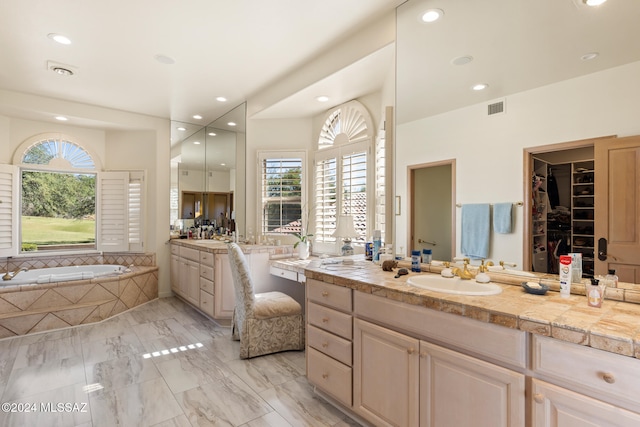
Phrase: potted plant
(303, 244)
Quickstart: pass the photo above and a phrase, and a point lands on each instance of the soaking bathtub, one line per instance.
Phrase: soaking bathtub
(64, 274)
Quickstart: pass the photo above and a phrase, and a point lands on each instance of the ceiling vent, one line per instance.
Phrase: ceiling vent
(496, 108)
(62, 69)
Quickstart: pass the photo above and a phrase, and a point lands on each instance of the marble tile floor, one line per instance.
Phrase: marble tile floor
(160, 364)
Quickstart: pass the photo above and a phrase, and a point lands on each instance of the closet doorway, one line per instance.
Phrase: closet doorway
(605, 205)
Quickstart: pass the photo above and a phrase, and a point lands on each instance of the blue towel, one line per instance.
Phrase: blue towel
(502, 217)
(475, 230)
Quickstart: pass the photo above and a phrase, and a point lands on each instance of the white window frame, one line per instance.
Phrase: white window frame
(282, 154)
(123, 231)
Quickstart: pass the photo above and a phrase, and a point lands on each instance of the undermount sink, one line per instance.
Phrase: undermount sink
(454, 285)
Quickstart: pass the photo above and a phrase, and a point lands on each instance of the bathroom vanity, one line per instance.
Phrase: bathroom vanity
(201, 275)
(397, 355)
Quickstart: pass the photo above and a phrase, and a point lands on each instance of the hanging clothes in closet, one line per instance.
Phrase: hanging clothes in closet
(552, 190)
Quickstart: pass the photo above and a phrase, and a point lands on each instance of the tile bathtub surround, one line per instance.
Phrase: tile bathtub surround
(27, 309)
(119, 258)
(160, 364)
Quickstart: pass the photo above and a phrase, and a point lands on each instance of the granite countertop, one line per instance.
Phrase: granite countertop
(615, 327)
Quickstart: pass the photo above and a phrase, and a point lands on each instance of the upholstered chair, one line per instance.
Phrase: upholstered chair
(264, 323)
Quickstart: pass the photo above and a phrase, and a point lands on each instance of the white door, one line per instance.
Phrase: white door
(617, 207)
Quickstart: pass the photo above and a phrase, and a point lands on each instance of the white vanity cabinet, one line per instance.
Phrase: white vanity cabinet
(401, 378)
(576, 385)
(329, 339)
(185, 273)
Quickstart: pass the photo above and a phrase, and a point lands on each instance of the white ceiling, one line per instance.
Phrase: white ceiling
(238, 48)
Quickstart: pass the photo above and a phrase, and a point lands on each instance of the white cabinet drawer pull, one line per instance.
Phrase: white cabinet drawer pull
(538, 397)
(608, 378)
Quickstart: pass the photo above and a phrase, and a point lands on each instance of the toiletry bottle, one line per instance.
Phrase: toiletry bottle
(426, 256)
(611, 279)
(565, 276)
(595, 292)
(415, 261)
(377, 244)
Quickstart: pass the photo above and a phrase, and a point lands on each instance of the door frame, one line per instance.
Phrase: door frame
(411, 169)
(528, 154)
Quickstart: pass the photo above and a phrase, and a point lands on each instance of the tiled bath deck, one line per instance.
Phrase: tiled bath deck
(160, 364)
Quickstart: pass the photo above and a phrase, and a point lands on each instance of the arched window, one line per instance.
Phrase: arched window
(55, 197)
(344, 172)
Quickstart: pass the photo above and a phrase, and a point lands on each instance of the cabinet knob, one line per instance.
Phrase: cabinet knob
(411, 350)
(325, 319)
(325, 344)
(538, 397)
(325, 375)
(423, 354)
(325, 293)
(608, 378)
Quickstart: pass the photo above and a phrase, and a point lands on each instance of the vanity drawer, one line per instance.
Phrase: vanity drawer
(603, 375)
(329, 344)
(206, 302)
(329, 295)
(285, 274)
(175, 250)
(330, 375)
(188, 253)
(330, 320)
(206, 272)
(206, 258)
(206, 285)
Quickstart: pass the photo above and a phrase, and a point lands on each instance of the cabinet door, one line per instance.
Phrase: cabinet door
(175, 273)
(224, 296)
(459, 390)
(385, 375)
(192, 283)
(555, 406)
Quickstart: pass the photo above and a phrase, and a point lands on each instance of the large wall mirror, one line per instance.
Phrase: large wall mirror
(208, 173)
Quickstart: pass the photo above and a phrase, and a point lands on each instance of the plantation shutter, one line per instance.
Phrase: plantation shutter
(282, 183)
(9, 210)
(120, 211)
(136, 211)
(326, 181)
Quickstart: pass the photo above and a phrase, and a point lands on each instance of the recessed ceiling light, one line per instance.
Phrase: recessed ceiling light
(431, 15)
(589, 56)
(231, 123)
(164, 59)
(462, 60)
(196, 142)
(221, 99)
(197, 116)
(593, 2)
(59, 38)
(322, 98)
(62, 71)
(211, 134)
(480, 86)
(61, 118)
(182, 129)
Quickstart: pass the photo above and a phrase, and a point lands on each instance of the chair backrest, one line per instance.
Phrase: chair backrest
(242, 284)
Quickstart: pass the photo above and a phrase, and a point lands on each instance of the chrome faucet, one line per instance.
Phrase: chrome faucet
(11, 274)
(464, 274)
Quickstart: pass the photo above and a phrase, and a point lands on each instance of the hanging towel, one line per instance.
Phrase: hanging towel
(475, 230)
(502, 217)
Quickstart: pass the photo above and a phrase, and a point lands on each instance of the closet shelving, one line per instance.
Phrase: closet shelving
(583, 213)
(539, 216)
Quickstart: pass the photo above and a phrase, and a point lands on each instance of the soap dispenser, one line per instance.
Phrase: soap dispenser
(482, 276)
